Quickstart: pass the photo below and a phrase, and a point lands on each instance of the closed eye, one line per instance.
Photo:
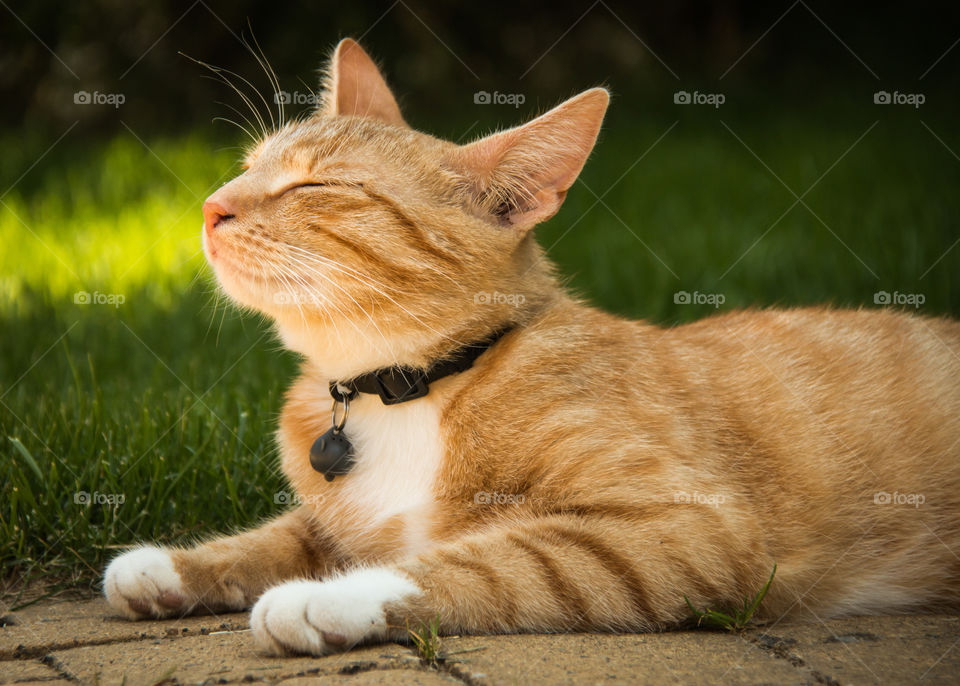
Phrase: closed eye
(298, 186)
(316, 184)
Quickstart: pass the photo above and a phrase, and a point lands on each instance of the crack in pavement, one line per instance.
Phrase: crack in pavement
(780, 648)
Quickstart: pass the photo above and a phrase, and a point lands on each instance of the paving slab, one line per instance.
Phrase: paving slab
(379, 677)
(676, 657)
(24, 671)
(42, 628)
(872, 650)
(228, 657)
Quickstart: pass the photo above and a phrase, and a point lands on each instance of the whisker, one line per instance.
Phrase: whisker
(363, 278)
(221, 73)
(245, 118)
(273, 123)
(268, 70)
(243, 96)
(413, 316)
(230, 121)
(325, 302)
(349, 295)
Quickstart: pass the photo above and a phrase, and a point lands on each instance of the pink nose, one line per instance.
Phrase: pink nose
(214, 212)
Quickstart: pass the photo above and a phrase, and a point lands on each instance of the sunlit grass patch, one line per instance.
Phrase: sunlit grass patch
(124, 217)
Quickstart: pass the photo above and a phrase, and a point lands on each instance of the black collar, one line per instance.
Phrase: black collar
(399, 384)
(332, 453)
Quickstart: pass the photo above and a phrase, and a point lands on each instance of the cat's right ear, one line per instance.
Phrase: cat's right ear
(520, 177)
(354, 86)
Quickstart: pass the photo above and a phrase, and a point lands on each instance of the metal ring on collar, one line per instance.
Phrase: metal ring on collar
(338, 426)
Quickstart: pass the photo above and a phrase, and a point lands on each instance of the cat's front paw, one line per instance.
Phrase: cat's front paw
(143, 583)
(318, 618)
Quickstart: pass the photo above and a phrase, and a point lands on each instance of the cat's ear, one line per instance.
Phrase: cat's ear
(354, 86)
(520, 177)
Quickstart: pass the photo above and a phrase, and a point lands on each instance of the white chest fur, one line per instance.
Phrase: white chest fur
(398, 450)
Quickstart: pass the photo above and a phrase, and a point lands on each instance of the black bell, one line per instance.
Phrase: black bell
(332, 454)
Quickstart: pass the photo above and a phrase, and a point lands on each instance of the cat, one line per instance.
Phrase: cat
(557, 468)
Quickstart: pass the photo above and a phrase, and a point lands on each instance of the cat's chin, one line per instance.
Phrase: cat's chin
(273, 299)
(240, 292)
(267, 300)
(241, 288)
(302, 329)
(343, 349)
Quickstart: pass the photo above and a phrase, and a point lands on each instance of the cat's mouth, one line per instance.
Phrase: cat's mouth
(234, 273)
(213, 249)
(226, 257)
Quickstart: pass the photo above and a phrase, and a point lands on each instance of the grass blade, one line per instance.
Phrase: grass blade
(27, 457)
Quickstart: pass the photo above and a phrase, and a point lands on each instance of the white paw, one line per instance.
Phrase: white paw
(320, 617)
(143, 583)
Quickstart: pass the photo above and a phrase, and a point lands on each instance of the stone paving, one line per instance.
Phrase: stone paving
(82, 641)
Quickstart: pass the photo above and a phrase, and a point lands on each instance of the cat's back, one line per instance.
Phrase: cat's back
(822, 395)
(813, 391)
(851, 367)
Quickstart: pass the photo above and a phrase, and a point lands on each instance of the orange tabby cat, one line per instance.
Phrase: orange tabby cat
(567, 469)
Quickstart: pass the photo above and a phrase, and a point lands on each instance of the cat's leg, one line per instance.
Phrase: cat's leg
(227, 573)
(556, 573)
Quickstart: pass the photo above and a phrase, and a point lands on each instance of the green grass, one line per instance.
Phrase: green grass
(427, 642)
(170, 400)
(735, 619)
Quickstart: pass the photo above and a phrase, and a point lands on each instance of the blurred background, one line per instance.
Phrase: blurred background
(755, 155)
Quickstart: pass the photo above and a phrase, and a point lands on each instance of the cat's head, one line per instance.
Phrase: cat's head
(372, 244)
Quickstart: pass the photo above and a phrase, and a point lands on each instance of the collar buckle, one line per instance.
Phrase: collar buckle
(398, 385)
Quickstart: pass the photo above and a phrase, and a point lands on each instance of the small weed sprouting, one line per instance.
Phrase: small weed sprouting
(734, 620)
(426, 638)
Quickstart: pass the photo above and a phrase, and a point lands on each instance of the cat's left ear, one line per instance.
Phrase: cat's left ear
(354, 86)
(520, 177)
